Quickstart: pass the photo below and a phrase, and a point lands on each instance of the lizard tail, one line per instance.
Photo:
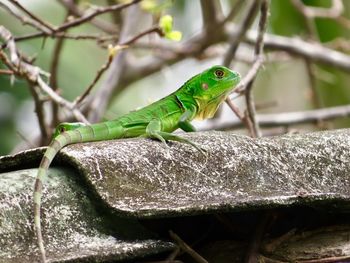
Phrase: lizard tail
(95, 132)
(57, 143)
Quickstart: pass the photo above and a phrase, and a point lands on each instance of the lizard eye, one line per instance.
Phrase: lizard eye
(219, 73)
(62, 129)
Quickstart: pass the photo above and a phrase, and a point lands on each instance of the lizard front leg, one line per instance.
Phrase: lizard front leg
(153, 130)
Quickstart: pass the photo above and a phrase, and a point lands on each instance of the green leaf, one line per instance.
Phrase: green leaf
(174, 35)
(166, 24)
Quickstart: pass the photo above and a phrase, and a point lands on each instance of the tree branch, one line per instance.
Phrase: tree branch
(32, 73)
(238, 35)
(98, 11)
(101, 24)
(32, 16)
(258, 52)
(289, 118)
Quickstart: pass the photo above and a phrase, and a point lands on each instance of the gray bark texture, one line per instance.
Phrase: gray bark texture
(90, 207)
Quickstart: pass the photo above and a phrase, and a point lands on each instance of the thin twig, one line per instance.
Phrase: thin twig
(32, 73)
(258, 51)
(198, 258)
(31, 15)
(343, 21)
(211, 11)
(235, 41)
(100, 72)
(98, 11)
(58, 31)
(99, 103)
(315, 98)
(240, 88)
(249, 77)
(57, 51)
(250, 120)
(153, 29)
(40, 113)
(251, 111)
(239, 34)
(233, 12)
(103, 25)
(312, 35)
(173, 254)
(334, 11)
(54, 77)
(25, 20)
(290, 118)
(191, 48)
(98, 38)
(6, 72)
(247, 122)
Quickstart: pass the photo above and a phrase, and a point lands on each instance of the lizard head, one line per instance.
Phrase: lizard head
(214, 86)
(66, 126)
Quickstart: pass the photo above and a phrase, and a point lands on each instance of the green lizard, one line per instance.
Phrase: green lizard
(198, 98)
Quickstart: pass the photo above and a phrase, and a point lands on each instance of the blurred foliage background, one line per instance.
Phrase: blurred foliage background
(286, 83)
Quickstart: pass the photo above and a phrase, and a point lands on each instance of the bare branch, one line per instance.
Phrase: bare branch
(32, 73)
(57, 31)
(233, 12)
(98, 11)
(243, 117)
(312, 51)
(100, 72)
(192, 47)
(57, 51)
(31, 15)
(25, 20)
(238, 35)
(249, 77)
(153, 29)
(116, 71)
(182, 244)
(40, 113)
(334, 11)
(290, 118)
(101, 24)
(95, 37)
(211, 12)
(6, 72)
(258, 51)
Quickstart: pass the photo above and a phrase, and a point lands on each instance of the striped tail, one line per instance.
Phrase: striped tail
(95, 132)
(57, 143)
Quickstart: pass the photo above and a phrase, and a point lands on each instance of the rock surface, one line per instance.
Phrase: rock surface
(90, 211)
